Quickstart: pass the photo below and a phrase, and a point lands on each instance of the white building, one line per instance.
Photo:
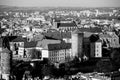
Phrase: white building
(96, 49)
(57, 52)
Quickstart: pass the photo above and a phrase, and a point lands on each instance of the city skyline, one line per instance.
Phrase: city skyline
(61, 3)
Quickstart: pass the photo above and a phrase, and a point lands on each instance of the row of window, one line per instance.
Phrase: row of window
(59, 53)
(55, 59)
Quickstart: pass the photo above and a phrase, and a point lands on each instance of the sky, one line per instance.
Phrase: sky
(61, 3)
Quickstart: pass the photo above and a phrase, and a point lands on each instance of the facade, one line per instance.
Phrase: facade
(17, 45)
(29, 49)
(77, 44)
(57, 52)
(5, 61)
(65, 25)
(66, 36)
(109, 40)
(96, 49)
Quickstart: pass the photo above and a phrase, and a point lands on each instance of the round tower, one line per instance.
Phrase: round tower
(5, 63)
(77, 43)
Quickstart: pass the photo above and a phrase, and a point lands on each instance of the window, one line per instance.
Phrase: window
(97, 55)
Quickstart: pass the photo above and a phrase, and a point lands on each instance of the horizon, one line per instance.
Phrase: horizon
(61, 3)
(58, 6)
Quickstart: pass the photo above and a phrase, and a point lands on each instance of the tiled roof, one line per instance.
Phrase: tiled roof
(45, 42)
(10, 37)
(93, 30)
(19, 39)
(30, 44)
(38, 37)
(87, 34)
(106, 37)
(77, 31)
(60, 19)
(59, 46)
(66, 24)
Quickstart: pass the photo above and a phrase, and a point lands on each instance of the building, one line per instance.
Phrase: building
(66, 36)
(57, 53)
(77, 43)
(22, 48)
(5, 61)
(29, 49)
(17, 45)
(65, 25)
(96, 49)
(81, 41)
(109, 40)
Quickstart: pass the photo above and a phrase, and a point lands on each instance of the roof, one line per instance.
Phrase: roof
(38, 37)
(19, 39)
(92, 30)
(72, 24)
(60, 20)
(57, 35)
(107, 39)
(45, 42)
(105, 35)
(77, 31)
(5, 50)
(59, 46)
(30, 44)
(87, 34)
(99, 40)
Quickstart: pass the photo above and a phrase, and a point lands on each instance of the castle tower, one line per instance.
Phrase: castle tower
(5, 61)
(77, 43)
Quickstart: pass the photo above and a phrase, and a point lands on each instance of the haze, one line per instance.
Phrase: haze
(61, 3)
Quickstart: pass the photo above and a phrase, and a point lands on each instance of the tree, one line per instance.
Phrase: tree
(115, 55)
(47, 70)
(104, 65)
(6, 42)
(35, 54)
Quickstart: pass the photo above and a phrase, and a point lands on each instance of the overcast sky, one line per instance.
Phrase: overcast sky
(66, 3)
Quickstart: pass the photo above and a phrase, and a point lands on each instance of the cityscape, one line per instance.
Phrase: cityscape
(59, 42)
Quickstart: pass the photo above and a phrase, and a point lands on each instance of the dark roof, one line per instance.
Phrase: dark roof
(76, 31)
(66, 24)
(93, 30)
(30, 44)
(45, 42)
(87, 34)
(56, 35)
(106, 37)
(10, 37)
(38, 37)
(59, 46)
(60, 19)
(19, 39)
(53, 35)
